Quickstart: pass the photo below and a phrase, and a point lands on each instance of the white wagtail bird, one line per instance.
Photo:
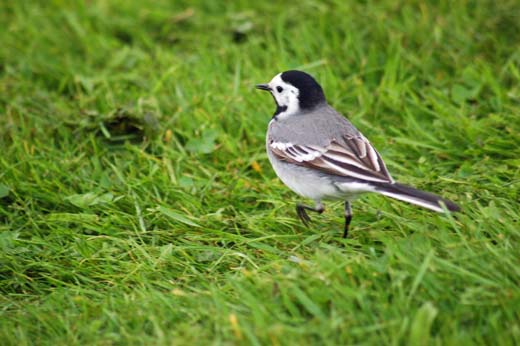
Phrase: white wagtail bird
(320, 155)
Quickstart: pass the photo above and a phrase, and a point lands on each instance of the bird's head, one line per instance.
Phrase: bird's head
(294, 91)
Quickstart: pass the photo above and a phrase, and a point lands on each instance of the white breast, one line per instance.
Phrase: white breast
(305, 183)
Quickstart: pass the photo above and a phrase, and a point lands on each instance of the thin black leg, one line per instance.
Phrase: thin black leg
(302, 214)
(348, 218)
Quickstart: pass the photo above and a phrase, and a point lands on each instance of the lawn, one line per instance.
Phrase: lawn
(138, 207)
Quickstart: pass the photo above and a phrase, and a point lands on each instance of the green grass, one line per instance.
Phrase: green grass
(137, 205)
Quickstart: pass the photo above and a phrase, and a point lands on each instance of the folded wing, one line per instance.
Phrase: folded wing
(352, 157)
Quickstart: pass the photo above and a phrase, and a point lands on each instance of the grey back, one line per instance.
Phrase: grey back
(317, 127)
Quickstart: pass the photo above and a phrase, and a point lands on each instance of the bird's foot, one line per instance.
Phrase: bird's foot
(302, 213)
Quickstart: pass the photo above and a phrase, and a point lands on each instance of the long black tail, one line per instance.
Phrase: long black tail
(422, 198)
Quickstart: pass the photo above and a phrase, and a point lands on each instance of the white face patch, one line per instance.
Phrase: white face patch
(286, 96)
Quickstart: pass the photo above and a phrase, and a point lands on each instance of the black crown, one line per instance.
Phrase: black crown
(311, 94)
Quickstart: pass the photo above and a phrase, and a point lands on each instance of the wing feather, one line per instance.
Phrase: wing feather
(349, 157)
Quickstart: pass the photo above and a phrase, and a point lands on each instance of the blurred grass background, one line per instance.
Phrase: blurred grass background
(137, 205)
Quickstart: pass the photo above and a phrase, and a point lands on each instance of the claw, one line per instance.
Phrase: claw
(302, 214)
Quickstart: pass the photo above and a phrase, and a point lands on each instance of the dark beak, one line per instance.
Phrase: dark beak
(263, 87)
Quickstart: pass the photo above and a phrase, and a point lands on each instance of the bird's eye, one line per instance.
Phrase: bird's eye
(279, 89)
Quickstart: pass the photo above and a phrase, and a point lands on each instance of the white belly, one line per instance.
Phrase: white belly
(310, 184)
